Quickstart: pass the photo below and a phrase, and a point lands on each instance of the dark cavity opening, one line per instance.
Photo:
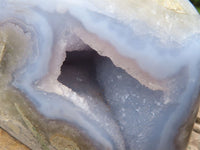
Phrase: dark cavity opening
(91, 75)
(78, 72)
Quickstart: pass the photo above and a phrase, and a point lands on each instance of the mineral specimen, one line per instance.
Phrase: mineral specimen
(99, 74)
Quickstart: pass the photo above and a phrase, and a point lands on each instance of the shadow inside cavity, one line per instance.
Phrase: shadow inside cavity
(78, 72)
(133, 106)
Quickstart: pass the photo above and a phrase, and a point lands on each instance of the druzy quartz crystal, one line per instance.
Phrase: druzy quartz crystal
(99, 74)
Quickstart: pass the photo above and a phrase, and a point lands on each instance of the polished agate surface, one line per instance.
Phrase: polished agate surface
(99, 74)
